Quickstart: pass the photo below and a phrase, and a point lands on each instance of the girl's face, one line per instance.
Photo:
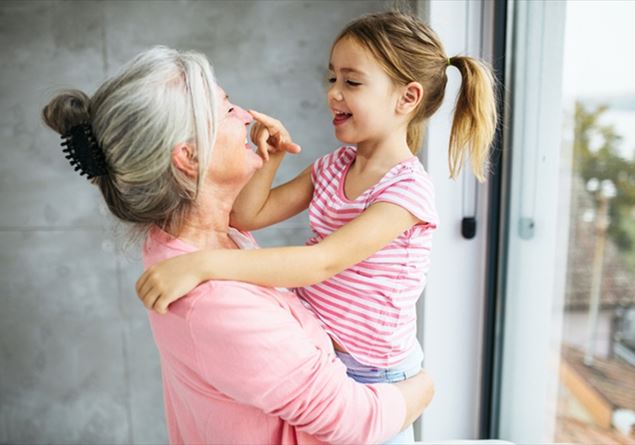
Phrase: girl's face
(232, 158)
(361, 96)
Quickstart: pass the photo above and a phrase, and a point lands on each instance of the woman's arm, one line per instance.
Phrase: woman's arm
(258, 205)
(417, 392)
(295, 266)
(254, 350)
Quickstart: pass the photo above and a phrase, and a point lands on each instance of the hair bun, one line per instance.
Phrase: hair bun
(66, 110)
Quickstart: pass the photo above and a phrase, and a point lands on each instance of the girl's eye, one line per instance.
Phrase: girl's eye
(353, 83)
(331, 80)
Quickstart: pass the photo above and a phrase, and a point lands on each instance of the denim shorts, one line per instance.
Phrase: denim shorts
(361, 373)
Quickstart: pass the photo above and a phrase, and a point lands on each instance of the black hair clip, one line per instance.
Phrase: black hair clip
(83, 152)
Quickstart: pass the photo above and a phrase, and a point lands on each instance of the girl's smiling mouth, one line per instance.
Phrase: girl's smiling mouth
(340, 117)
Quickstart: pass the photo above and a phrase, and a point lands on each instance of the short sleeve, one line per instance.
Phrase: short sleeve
(412, 190)
(316, 169)
(323, 163)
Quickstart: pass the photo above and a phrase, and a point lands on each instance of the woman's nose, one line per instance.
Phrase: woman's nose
(243, 115)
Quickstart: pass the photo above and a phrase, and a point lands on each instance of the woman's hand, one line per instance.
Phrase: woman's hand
(270, 136)
(167, 281)
(417, 392)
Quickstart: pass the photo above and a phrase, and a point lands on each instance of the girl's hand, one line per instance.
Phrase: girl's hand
(167, 281)
(270, 136)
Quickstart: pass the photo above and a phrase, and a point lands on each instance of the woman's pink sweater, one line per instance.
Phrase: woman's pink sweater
(245, 364)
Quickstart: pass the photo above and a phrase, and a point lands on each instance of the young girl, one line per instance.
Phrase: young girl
(371, 203)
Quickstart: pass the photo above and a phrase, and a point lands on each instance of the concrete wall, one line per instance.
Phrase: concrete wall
(77, 360)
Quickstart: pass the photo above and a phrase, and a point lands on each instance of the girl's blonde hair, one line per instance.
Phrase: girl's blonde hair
(160, 98)
(409, 51)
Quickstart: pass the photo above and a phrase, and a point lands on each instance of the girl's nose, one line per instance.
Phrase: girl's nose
(243, 115)
(334, 93)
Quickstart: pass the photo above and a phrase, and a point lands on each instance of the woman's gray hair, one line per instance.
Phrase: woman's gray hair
(160, 98)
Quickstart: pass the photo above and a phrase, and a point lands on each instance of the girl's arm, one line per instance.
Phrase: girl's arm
(257, 205)
(295, 266)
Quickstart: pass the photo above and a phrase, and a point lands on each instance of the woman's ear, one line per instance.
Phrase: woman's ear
(410, 98)
(185, 160)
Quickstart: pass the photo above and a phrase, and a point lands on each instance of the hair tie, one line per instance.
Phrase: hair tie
(83, 152)
(449, 61)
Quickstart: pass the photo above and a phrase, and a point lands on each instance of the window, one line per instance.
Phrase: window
(568, 356)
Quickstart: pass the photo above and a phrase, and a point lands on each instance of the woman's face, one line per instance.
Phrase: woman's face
(233, 158)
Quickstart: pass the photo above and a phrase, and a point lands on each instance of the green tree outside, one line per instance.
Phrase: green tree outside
(596, 156)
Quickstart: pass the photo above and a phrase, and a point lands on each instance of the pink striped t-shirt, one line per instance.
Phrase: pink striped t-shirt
(370, 307)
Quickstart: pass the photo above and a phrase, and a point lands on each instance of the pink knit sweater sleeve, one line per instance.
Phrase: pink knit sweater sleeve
(262, 354)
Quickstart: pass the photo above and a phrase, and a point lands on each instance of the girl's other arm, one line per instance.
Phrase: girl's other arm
(295, 266)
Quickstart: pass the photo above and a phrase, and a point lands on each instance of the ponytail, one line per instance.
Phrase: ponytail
(475, 117)
(414, 135)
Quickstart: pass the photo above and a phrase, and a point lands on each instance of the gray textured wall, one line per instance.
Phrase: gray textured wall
(77, 360)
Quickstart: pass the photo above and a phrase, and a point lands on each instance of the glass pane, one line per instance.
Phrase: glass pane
(596, 390)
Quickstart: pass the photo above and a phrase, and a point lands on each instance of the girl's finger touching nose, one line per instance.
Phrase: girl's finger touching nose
(260, 140)
(253, 132)
(259, 116)
(272, 124)
(278, 136)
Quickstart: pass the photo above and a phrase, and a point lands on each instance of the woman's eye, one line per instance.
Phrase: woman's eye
(353, 83)
(331, 80)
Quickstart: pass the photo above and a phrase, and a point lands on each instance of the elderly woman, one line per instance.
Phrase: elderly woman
(241, 363)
